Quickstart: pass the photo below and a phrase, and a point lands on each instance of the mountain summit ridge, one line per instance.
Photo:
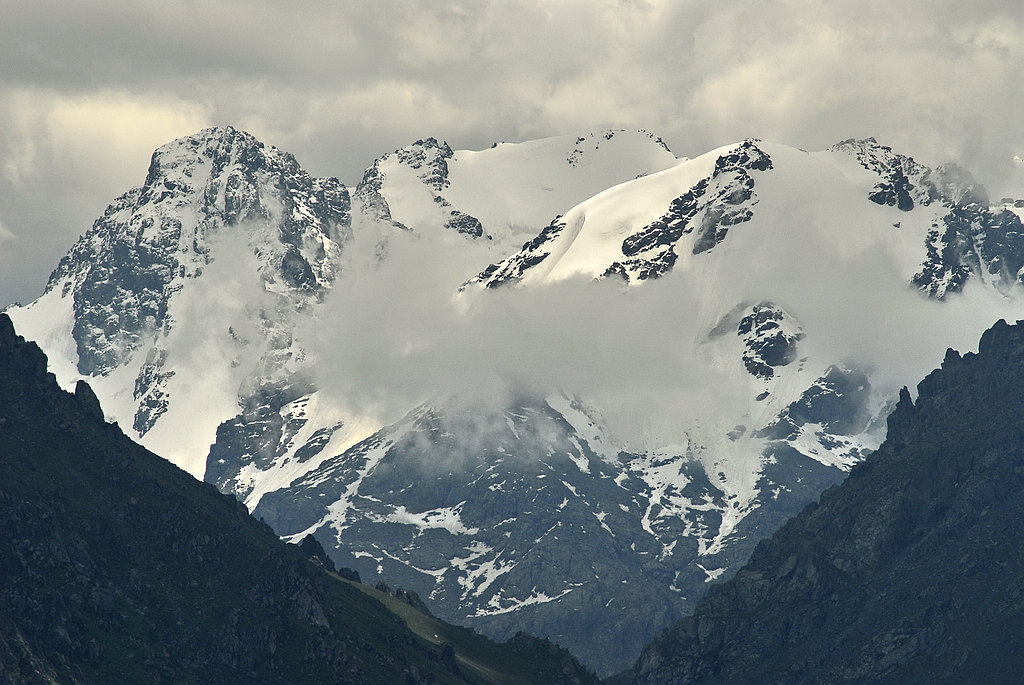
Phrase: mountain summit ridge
(247, 321)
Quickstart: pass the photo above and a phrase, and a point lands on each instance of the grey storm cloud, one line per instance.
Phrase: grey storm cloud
(88, 89)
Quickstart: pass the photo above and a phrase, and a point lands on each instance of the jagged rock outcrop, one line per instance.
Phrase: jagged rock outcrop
(428, 161)
(124, 271)
(907, 572)
(967, 238)
(972, 240)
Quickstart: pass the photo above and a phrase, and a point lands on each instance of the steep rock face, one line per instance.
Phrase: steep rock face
(968, 238)
(723, 198)
(126, 268)
(770, 338)
(972, 240)
(532, 253)
(907, 572)
(902, 181)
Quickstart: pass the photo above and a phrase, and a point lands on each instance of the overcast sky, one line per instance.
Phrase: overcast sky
(89, 88)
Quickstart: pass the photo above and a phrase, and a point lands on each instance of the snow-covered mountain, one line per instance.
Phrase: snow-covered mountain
(666, 358)
(626, 231)
(508, 191)
(182, 295)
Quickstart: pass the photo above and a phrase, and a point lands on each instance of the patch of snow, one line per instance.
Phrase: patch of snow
(445, 518)
(499, 605)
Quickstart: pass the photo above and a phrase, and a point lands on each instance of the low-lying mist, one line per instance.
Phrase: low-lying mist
(396, 332)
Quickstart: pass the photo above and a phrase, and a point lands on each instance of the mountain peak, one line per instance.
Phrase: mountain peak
(148, 242)
(210, 143)
(18, 355)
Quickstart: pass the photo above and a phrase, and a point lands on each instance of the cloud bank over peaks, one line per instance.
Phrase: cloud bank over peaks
(400, 334)
(396, 332)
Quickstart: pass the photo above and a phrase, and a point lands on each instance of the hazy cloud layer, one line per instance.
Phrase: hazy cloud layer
(88, 89)
(392, 335)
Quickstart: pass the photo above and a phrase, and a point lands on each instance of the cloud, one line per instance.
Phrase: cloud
(339, 84)
(109, 133)
(392, 335)
(63, 158)
(5, 233)
(395, 334)
(905, 73)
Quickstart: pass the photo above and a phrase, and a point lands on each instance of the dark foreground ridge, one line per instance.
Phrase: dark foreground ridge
(115, 566)
(908, 572)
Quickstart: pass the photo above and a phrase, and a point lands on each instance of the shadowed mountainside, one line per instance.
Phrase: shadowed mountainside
(908, 572)
(116, 566)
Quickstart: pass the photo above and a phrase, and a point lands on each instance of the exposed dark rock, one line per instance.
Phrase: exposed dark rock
(894, 190)
(902, 181)
(907, 572)
(532, 253)
(150, 390)
(509, 493)
(314, 551)
(349, 574)
(972, 240)
(88, 400)
(125, 269)
(460, 222)
(261, 433)
(371, 199)
(708, 210)
(837, 402)
(296, 271)
(429, 159)
(770, 339)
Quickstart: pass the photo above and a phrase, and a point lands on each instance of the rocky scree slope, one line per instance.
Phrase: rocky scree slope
(115, 566)
(908, 572)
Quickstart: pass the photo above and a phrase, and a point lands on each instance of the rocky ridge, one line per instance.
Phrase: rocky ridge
(722, 199)
(969, 237)
(907, 572)
(428, 160)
